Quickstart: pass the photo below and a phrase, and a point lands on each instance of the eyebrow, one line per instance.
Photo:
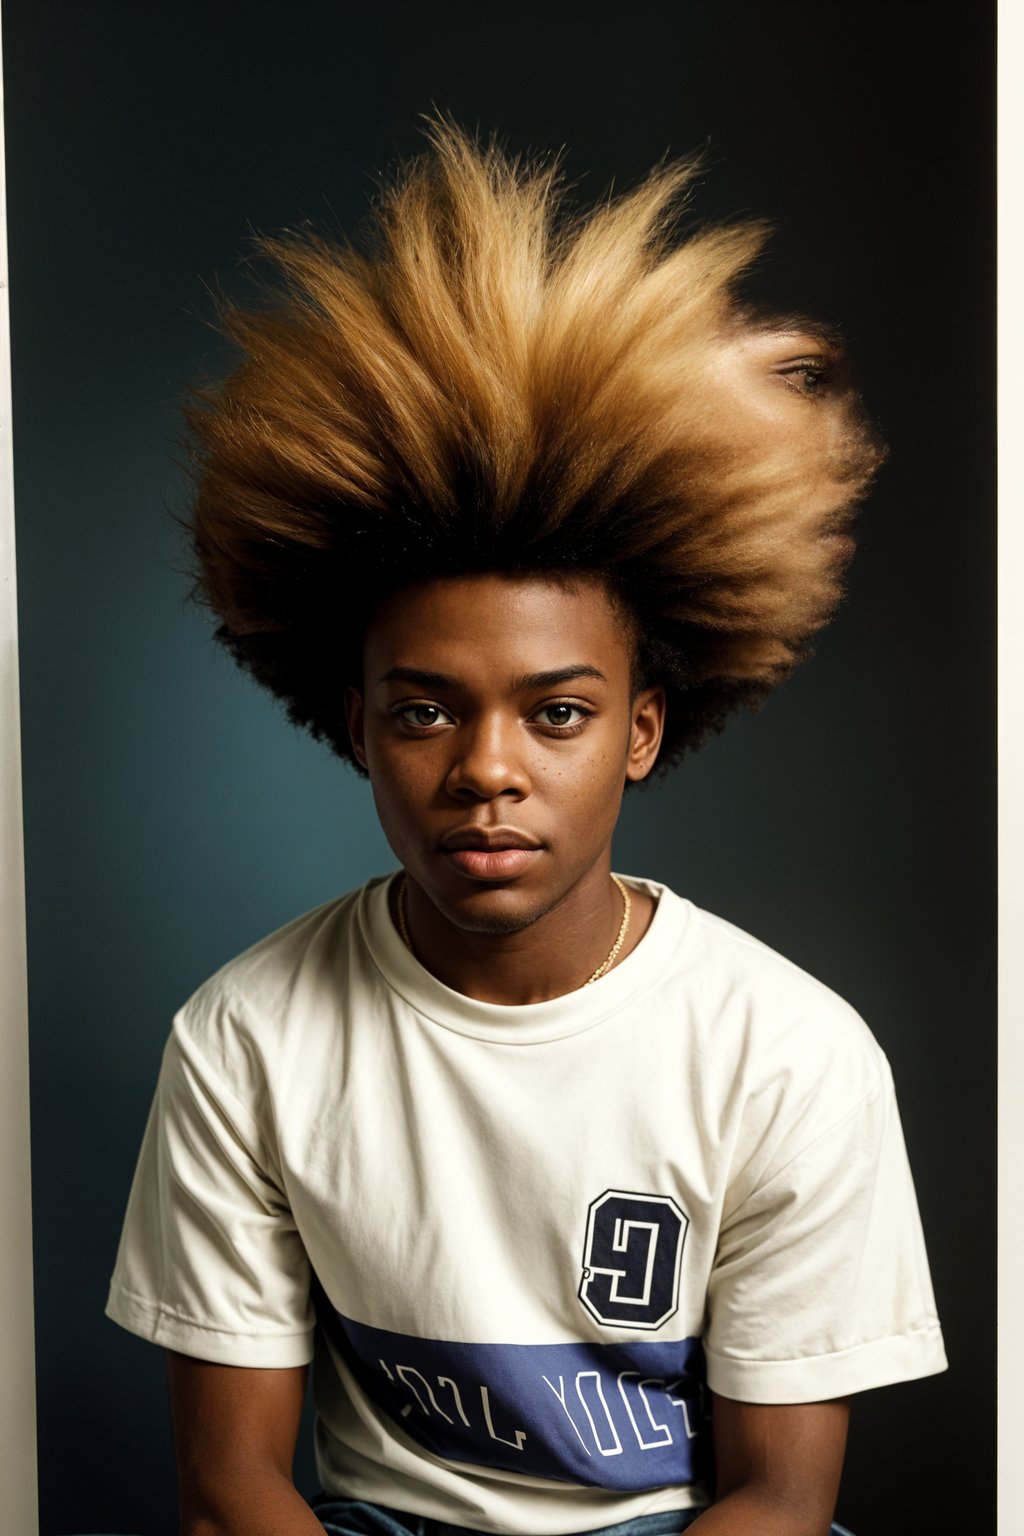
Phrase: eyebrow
(418, 678)
(803, 328)
(421, 678)
(553, 678)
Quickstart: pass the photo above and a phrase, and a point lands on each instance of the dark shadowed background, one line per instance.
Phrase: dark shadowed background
(173, 817)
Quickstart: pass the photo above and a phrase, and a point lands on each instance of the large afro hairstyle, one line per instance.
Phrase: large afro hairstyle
(489, 383)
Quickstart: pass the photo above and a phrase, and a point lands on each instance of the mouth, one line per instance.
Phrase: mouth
(494, 853)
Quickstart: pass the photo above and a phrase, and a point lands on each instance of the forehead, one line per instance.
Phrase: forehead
(501, 625)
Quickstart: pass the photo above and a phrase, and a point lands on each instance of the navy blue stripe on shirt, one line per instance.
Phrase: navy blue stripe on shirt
(625, 1415)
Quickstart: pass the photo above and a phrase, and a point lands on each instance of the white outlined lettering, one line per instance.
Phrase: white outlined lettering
(620, 1242)
(403, 1372)
(681, 1402)
(663, 1429)
(520, 1434)
(582, 1376)
(446, 1381)
(559, 1392)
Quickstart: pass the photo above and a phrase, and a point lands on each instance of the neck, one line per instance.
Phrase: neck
(550, 957)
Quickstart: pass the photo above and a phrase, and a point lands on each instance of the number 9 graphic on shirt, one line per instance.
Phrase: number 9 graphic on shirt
(632, 1259)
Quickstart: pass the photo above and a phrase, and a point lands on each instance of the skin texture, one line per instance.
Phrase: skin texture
(774, 373)
(462, 735)
(460, 725)
(234, 1439)
(777, 1467)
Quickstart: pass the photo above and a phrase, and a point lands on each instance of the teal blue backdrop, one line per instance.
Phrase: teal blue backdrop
(173, 817)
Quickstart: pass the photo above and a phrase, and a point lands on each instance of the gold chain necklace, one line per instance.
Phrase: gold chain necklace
(606, 964)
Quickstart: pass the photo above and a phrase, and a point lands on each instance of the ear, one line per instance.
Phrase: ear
(646, 733)
(355, 717)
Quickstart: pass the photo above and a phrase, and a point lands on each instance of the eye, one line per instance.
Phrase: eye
(422, 716)
(808, 375)
(562, 717)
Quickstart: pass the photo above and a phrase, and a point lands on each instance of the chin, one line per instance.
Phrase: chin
(497, 923)
(497, 910)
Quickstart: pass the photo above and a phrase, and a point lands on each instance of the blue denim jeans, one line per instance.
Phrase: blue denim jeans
(350, 1517)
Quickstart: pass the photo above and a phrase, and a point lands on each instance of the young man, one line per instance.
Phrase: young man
(538, 1164)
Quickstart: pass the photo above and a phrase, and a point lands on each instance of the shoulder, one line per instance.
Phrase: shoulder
(773, 1040)
(274, 999)
(720, 960)
(780, 994)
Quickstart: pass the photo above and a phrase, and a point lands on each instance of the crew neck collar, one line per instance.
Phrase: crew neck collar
(526, 1023)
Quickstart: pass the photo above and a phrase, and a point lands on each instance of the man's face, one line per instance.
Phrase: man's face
(788, 393)
(499, 726)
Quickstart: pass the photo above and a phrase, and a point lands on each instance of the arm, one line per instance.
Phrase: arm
(234, 1436)
(777, 1468)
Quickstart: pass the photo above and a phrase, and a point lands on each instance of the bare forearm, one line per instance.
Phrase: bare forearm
(752, 1512)
(777, 1467)
(234, 1434)
(253, 1503)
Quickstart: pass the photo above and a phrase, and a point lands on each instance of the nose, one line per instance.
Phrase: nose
(488, 761)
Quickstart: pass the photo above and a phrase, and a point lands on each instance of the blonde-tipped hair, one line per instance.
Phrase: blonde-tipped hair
(491, 385)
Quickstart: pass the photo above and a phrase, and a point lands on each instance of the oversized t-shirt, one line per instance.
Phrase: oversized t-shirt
(522, 1242)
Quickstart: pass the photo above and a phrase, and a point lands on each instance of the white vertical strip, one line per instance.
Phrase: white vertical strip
(1011, 768)
(18, 1502)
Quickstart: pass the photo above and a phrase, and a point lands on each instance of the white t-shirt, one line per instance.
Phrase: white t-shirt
(520, 1240)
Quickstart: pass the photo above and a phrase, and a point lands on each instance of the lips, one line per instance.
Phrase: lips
(490, 853)
(500, 864)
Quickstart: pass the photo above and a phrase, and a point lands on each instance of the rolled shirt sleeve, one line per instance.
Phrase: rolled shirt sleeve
(210, 1263)
(820, 1285)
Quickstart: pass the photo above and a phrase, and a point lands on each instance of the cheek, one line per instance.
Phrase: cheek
(395, 774)
(592, 790)
(402, 778)
(400, 811)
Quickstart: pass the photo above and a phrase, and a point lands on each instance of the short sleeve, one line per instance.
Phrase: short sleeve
(820, 1285)
(210, 1263)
